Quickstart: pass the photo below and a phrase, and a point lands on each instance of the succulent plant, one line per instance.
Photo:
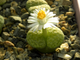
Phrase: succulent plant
(46, 44)
(1, 22)
(2, 2)
(35, 4)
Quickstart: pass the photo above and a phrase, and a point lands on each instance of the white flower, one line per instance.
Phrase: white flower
(41, 19)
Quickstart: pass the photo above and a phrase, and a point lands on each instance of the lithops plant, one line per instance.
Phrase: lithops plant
(35, 4)
(44, 35)
(2, 2)
(1, 22)
(53, 39)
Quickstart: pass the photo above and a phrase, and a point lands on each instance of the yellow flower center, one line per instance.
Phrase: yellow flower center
(41, 14)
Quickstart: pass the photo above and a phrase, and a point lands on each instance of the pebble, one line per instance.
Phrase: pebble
(5, 35)
(12, 57)
(15, 19)
(2, 53)
(21, 25)
(64, 56)
(7, 55)
(67, 2)
(7, 12)
(7, 5)
(72, 38)
(25, 15)
(65, 46)
(69, 13)
(8, 43)
(6, 59)
(20, 44)
(14, 3)
(77, 56)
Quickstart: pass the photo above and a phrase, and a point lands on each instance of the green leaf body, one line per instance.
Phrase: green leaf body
(46, 44)
(2, 2)
(1, 23)
(35, 4)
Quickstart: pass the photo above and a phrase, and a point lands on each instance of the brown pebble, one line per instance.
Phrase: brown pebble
(69, 13)
(29, 47)
(72, 38)
(67, 2)
(65, 30)
(8, 43)
(20, 49)
(62, 17)
(14, 3)
(23, 10)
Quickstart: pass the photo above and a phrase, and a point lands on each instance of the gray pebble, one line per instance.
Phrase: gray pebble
(7, 55)
(7, 5)
(12, 57)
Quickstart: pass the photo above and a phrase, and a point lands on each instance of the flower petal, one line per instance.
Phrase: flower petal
(46, 25)
(54, 20)
(32, 25)
(32, 21)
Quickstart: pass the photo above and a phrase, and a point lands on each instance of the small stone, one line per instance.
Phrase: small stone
(10, 49)
(21, 25)
(7, 12)
(16, 31)
(29, 47)
(15, 19)
(14, 3)
(25, 15)
(62, 17)
(67, 2)
(13, 12)
(7, 5)
(64, 56)
(56, 3)
(65, 46)
(6, 59)
(12, 57)
(65, 30)
(5, 35)
(17, 10)
(49, 2)
(2, 53)
(77, 56)
(7, 55)
(75, 46)
(72, 37)
(20, 50)
(72, 53)
(20, 57)
(19, 32)
(1, 23)
(20, 44)
(8, 43)
(69, 13)
(23, 10)
(23, 5)
(71, 9)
